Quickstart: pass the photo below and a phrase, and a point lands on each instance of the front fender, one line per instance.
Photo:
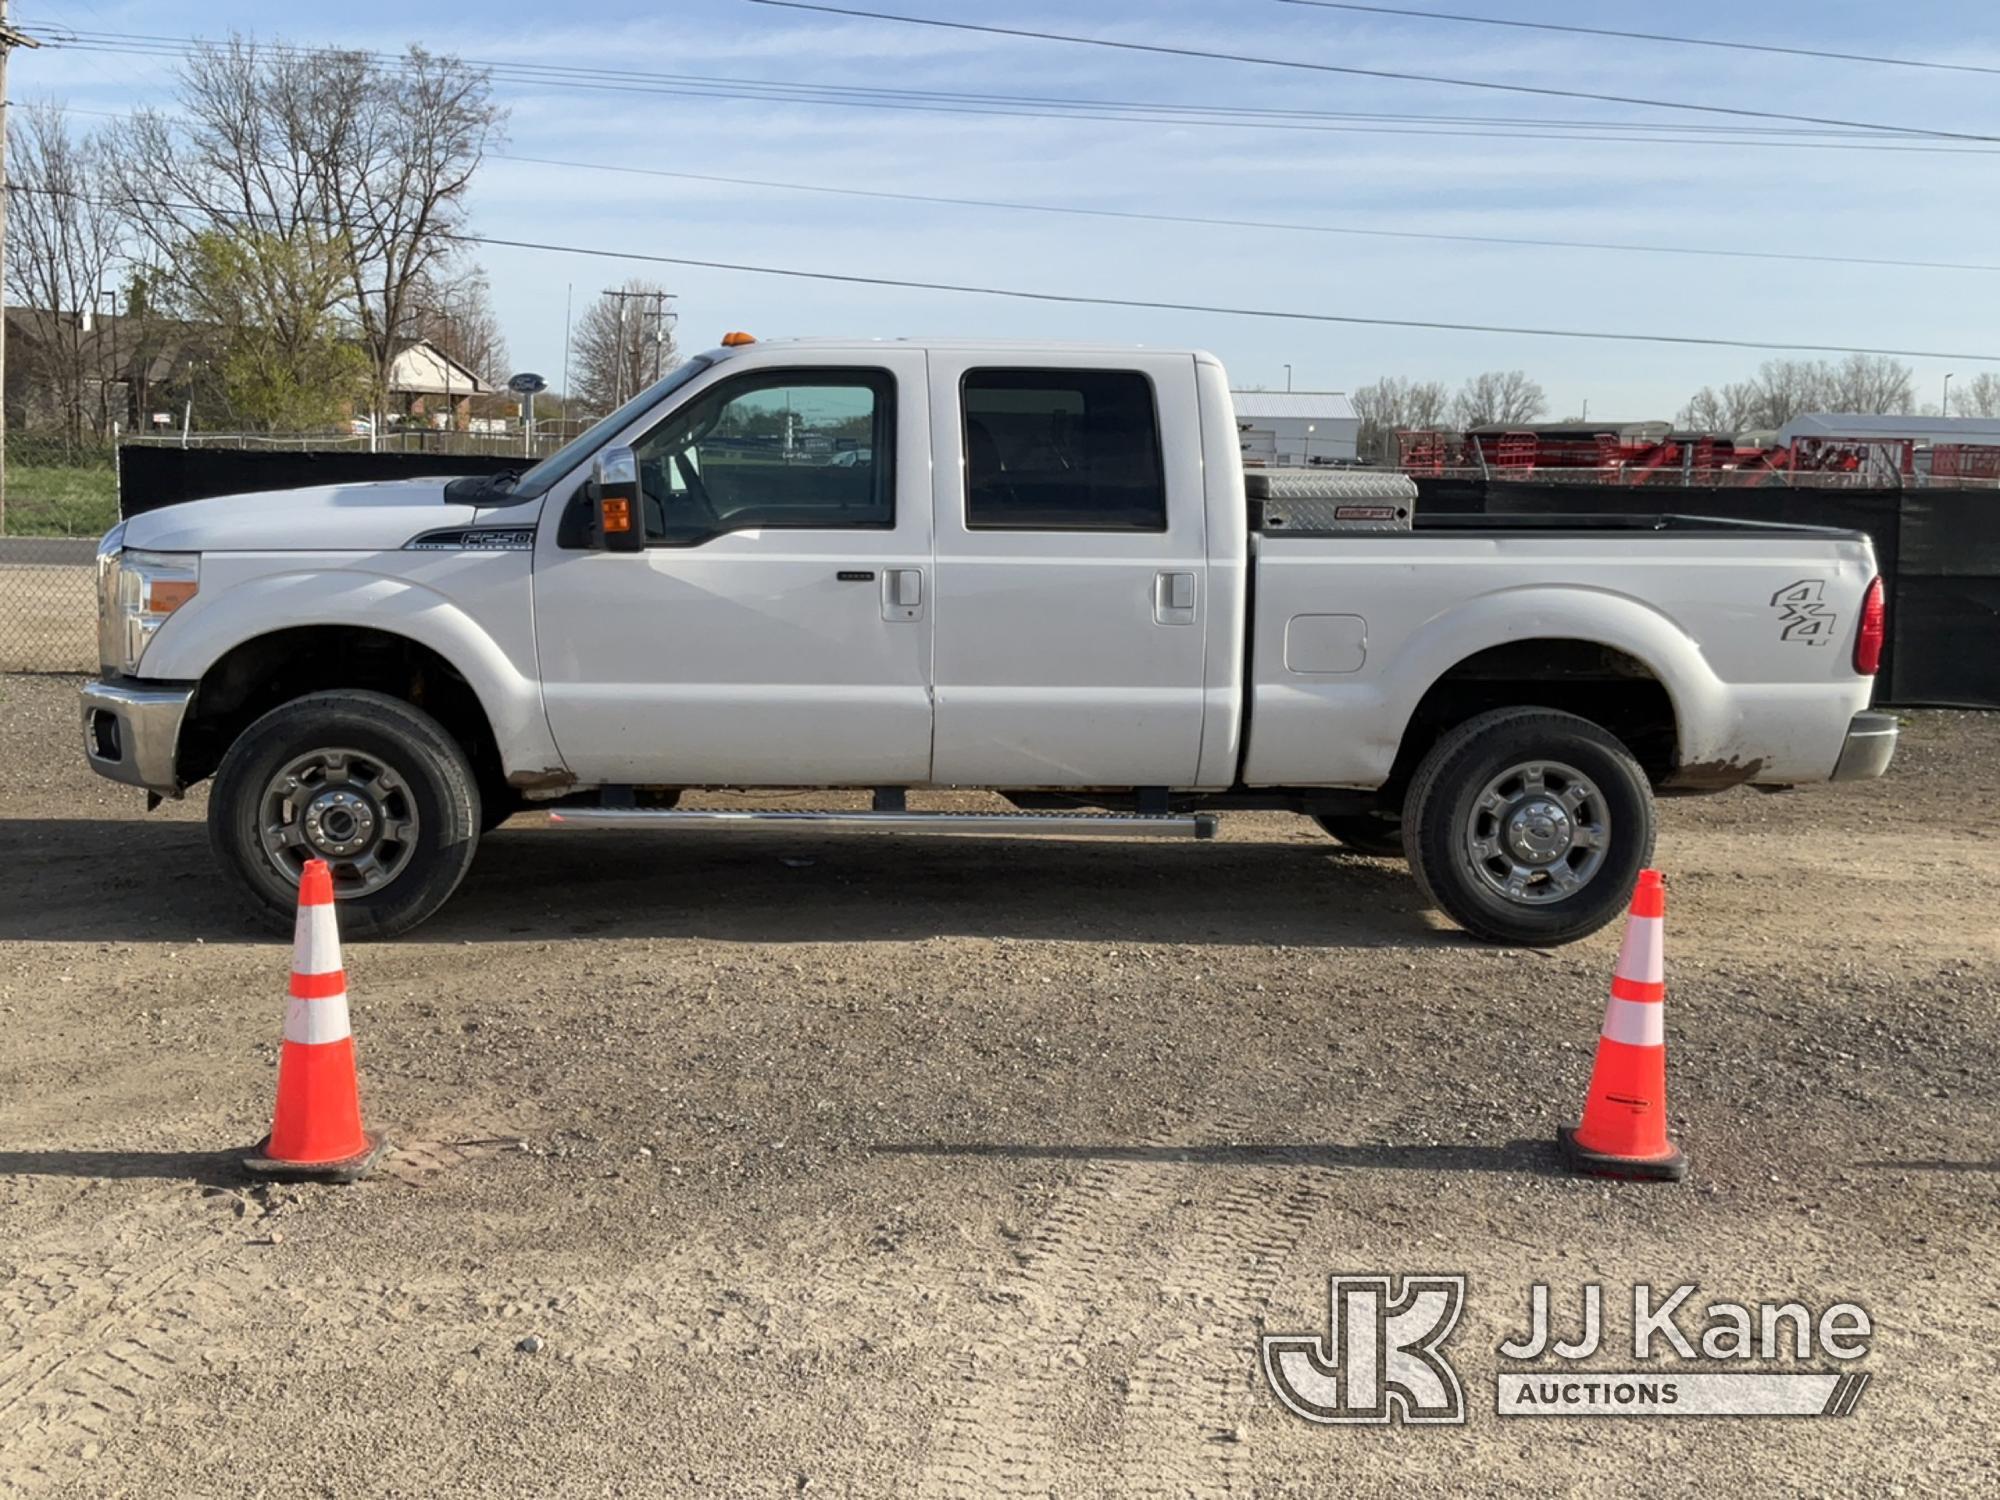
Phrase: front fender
(242, 598)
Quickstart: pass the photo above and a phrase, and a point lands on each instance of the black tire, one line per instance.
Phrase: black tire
(1450, 781)
(497, 805)
(430, 767)
(1378, 834)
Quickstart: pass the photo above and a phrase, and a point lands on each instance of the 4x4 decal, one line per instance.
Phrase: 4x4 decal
(1803, 613)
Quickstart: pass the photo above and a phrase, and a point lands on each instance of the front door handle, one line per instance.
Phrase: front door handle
(903, 594)
(1174, 598)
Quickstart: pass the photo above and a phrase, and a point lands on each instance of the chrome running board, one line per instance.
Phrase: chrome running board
(1073, 824)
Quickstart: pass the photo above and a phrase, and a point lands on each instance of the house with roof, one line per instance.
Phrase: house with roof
(135, 372)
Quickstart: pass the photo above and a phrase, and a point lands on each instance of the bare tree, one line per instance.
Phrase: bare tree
(1396, 404)
(66, 241)
(1871, 383)
(623, 344)
(1498, 396)
(1710, 410)
(395, 177)
(365, 157)
(1785, 388)
(457, 315)
(239, 164)
(1978, 397)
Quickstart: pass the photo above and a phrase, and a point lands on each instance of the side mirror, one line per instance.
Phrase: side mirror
(620, 521)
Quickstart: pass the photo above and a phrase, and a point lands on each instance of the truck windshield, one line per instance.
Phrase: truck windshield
(538, 479)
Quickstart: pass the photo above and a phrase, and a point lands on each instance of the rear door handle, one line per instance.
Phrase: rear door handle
(903, 594)
(1174, 598)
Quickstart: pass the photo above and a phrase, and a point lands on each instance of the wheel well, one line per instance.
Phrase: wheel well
(1592, 681)
(259, 675)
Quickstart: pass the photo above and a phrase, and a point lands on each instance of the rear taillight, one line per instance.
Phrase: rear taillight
(1874, 628)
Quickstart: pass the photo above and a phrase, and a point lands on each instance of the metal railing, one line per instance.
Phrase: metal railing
(1528, 457)
(503, 442)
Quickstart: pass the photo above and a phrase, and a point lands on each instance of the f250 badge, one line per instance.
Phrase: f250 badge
(1802, 612)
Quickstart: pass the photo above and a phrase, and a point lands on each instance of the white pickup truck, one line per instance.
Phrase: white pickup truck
(1039, 570)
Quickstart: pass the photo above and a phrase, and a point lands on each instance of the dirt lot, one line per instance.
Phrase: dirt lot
(865, 1167)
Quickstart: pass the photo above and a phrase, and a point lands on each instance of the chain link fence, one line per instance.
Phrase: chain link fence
(60, 496)
(502, 440)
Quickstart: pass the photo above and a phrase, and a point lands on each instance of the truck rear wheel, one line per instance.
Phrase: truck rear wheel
(376, 788)
(1529, 826)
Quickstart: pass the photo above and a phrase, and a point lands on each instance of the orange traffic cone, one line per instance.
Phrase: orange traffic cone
(1624, 1129)
(316, 1135)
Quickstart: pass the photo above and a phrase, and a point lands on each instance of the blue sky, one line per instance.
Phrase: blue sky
(1731, 195)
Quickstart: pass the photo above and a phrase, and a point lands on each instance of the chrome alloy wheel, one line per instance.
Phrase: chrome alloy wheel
(346, 807)
(1538, 832)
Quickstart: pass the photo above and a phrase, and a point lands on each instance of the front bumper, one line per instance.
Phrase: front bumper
(132, 729)
(1871, 745)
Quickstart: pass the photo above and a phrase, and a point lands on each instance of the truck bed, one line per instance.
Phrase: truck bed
(1753, 624)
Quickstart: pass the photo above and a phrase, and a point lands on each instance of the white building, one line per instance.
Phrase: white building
(1288, 429)
(1925, 432)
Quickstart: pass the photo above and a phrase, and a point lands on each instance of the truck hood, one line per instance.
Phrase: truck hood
(320, 518)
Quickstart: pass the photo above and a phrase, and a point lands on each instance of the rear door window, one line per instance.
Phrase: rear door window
(1062, 450)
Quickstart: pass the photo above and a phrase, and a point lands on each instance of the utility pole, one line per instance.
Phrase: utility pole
(9, 40)
(661, 321)
(569, 294)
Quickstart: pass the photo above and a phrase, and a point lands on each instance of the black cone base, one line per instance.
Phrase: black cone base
(1632, 1169)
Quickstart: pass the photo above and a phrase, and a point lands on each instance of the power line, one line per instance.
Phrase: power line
(1217, 310)
(1160, 49)
(1649, 36)
(1006, 106)
(142, 45)
(1079, 299)
(1218, 221)
(1226, 223)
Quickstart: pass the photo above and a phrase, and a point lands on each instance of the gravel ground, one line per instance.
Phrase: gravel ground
(873, 1167)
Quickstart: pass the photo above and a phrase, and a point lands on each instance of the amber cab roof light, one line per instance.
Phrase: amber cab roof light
(737, 340)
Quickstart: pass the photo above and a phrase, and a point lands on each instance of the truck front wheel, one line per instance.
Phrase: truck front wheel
(376, 788)
(1528, 826)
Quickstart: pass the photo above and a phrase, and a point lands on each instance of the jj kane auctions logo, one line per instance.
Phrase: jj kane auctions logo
(1383, 1360)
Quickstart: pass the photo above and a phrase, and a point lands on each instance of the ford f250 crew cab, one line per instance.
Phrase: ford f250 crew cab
(1039, 570)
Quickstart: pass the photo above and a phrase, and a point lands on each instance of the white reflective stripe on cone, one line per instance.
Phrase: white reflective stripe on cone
(317, 1021)
(1643, 957)
(1637, 1023)
(316, 941)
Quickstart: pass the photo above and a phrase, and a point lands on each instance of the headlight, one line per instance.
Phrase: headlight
(136, 591)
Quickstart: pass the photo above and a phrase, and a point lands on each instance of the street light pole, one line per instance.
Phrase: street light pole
(1288, 379)
(1947, 393)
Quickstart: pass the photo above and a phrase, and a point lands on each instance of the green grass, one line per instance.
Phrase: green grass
(61, 499)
